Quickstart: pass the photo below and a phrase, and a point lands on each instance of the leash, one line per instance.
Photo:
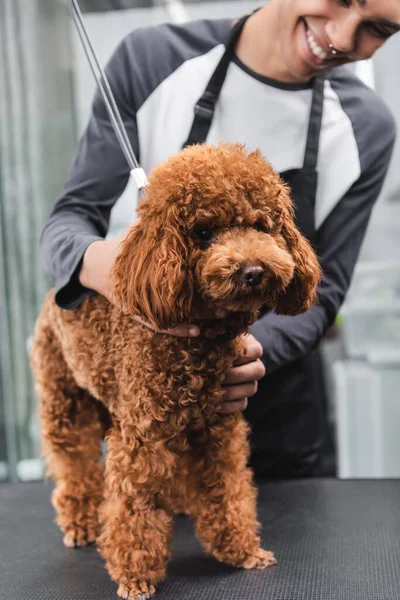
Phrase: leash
(136, 172)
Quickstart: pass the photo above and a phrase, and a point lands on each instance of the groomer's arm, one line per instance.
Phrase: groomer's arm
(285, 339)
(73, 235)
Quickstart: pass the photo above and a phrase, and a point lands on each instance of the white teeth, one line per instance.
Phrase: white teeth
(315, 49)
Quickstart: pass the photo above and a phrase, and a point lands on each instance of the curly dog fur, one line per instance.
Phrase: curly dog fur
(216, 228)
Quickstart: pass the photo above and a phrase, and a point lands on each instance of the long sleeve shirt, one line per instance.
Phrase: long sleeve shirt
(157, 75)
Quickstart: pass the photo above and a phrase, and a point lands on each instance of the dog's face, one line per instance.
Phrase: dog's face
(240, 262)
(216, 228)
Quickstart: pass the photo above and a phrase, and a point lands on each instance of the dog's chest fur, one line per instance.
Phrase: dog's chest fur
(175, 381)
(184, 377)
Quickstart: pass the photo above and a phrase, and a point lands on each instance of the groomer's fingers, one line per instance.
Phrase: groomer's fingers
(210, 313)
(228, 408)
(183, 331)
(251, 351)
(238, 392)
(191, 330)
(178, 331)
(252, 371)
(187, 329)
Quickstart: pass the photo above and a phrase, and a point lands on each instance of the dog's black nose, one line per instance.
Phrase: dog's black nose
(252, 274)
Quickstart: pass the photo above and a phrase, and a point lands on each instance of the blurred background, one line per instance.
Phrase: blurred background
(46, 90)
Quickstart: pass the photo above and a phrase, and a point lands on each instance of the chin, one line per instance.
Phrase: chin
(300, 71)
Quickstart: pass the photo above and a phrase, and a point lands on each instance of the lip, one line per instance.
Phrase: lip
(311, 59)
(315, 62)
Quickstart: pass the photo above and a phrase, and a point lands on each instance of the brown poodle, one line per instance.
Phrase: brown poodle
(216, 229)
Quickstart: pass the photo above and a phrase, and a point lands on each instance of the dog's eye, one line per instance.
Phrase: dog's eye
(205, 234)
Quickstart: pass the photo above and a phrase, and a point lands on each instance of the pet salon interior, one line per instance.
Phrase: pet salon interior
(336, 535)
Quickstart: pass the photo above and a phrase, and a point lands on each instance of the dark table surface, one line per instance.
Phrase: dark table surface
(334, 540)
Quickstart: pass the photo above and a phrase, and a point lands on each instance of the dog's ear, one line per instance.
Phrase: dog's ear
(152, 280)
(301, 293)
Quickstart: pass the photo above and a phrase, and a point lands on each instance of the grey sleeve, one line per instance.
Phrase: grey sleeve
(285, 339)
(98, 176)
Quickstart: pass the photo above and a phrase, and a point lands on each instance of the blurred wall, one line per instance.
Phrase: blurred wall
(383, 239)
(37, 140)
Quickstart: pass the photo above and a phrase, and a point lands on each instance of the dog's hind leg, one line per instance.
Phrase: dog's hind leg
(71, 440)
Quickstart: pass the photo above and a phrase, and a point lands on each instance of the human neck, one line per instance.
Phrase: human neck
(259, 46)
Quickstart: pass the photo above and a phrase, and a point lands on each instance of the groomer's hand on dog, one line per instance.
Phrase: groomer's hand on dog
(97, 265)
(240, 381)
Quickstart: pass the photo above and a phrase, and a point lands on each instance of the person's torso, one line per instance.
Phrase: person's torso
(173, 66)
(251, 109)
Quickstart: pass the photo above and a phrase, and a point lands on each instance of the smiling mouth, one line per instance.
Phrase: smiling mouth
(314, 46)
(321, 55)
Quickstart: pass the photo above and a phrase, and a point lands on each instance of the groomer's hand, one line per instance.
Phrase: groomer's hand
(98, 260)
(97, 265)
(240, 381)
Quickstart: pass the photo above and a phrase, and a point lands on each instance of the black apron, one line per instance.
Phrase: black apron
(286, 414)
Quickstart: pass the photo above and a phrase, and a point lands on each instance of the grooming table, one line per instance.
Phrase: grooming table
(334, 540)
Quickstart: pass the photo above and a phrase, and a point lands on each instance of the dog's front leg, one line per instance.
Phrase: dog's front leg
(226, 506)
(136, 531)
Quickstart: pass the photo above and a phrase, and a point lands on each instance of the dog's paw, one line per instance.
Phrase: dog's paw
(136, 591)
(261, 559)
(77, 538)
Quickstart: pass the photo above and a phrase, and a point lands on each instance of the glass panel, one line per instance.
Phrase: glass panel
(37, 139)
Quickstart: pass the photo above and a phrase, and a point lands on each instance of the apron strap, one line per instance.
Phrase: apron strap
(314, 126)
(204, 109)
(304, 182)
